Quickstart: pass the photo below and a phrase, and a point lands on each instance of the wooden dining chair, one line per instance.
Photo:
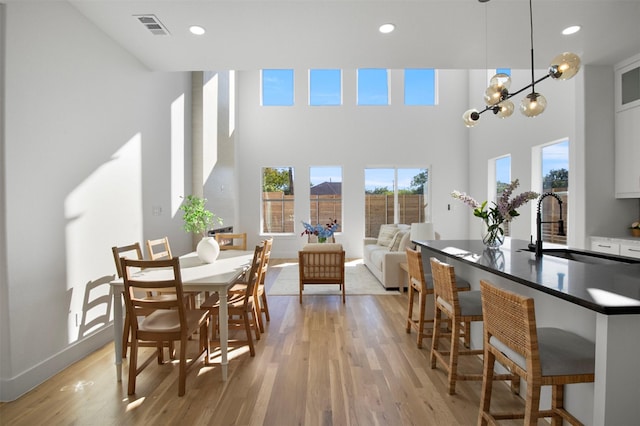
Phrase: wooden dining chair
(260, 295)
(159, 249)
(541, 356)
(170, 320)
(460, 308)
(240, 300)
(229, 241)
(134, 251)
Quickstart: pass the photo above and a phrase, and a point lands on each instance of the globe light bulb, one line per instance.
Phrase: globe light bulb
(492, 95)
(564, 66)
(470, 117)
(505, 109)
(500, 80)
(533, 104)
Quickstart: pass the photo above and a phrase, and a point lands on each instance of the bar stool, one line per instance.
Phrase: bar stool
(542, 356)
(422, 284)
(461, 309)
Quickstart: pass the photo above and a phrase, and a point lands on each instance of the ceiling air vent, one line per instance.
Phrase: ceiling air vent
(153, 24)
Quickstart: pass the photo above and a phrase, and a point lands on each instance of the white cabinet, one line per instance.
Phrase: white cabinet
(630, 250)
(627, 129)
(619, 246)
(605, 246)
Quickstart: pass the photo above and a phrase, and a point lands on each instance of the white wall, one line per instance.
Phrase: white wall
(354, 137)
(87, 141)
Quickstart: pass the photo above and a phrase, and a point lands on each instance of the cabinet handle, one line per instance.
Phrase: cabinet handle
(636, 250)
(602, 245)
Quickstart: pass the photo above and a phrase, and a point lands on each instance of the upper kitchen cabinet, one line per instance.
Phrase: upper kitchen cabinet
(627, 144)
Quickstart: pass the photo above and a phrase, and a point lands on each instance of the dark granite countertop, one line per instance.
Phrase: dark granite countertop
(611, 289)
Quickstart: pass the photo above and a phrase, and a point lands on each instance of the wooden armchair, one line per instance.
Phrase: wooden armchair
(321, 264)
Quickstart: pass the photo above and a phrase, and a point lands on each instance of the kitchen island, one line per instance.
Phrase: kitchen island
(597, 298)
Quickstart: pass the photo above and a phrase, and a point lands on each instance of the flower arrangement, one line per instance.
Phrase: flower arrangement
(494, 217)
(635, 229)
(635, 225)
(321, 231)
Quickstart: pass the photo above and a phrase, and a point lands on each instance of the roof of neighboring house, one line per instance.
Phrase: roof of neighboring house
(327, 188)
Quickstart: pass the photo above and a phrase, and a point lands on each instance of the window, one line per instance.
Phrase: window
(277, 87)
(325, 87)
(277, 200)
(325, 195)
(373, 86)
(419, 87)
(395, 196)
(555, 179)
(502, 180)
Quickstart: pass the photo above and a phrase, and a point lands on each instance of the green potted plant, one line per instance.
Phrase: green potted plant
(198, 219)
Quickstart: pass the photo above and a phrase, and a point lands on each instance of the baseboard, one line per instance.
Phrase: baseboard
(13, 388)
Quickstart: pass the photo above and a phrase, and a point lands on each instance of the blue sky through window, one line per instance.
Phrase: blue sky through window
(318, 175)
(277, 87)
(503, 169)
(373, 86)
(419, 86)
(325, 87)
(506, 71)
(555, 157)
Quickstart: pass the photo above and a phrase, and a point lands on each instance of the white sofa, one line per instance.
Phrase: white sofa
(383, 256)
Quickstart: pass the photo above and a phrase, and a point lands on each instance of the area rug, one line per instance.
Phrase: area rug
(358, 281)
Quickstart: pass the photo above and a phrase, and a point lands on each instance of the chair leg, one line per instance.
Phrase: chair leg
(453, 356)
(133, 367)
(487, 387)
(532, 404)
(422, 302)
(247, 327)
(265, 305)
(256, 311)
(410, 310)
(182, 376)
(125, 334)
(557, 404)
(437, 317)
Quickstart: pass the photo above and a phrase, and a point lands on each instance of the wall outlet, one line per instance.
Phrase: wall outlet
(157, 210)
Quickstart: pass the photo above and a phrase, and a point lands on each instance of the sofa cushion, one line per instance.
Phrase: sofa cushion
(386, 234)
(377, 256)
(397, 240)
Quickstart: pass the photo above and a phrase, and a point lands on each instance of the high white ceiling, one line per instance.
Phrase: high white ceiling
(458, 34)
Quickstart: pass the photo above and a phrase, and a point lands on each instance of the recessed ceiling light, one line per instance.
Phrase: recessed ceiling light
(386, 28)
(197, 30)
(571, 30)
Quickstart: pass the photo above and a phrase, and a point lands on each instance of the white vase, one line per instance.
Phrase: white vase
(208, 249)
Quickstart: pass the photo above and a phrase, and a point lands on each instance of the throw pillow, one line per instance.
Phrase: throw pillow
(387, 232)
(397, 240)
(406, 242)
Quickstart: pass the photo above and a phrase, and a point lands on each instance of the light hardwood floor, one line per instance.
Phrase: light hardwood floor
(319, 363)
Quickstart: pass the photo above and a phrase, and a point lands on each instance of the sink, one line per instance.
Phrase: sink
(589, 257)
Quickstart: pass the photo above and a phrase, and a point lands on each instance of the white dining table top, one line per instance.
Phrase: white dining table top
(198, 275)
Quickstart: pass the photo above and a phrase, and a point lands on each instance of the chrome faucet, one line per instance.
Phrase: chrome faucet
(539, 221)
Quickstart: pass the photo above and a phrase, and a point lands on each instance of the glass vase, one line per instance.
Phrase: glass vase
(492, 235)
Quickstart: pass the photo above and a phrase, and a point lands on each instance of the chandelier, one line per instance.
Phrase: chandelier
(497, 96)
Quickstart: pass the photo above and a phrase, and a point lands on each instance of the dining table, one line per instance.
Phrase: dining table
(198, 276)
